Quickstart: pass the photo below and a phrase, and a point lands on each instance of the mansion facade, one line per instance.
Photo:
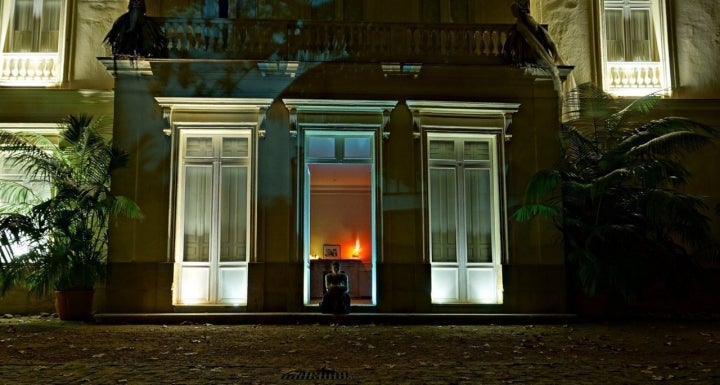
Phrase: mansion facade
(276, 137)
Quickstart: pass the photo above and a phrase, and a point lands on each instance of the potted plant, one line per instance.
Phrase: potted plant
(615, 195)
(54, 223)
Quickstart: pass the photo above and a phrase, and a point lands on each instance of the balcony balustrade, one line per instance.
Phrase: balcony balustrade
(634, 78)
(29, 68)
(302, 40)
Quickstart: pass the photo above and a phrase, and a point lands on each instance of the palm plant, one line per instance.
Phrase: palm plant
(64, 231)
(615, 194)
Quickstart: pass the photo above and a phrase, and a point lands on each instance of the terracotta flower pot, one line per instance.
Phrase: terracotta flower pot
(74, 305)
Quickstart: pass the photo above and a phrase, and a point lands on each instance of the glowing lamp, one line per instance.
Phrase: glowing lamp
(356, 251)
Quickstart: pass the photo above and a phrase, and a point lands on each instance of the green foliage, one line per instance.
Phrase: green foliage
(614, 194)
(64, 230)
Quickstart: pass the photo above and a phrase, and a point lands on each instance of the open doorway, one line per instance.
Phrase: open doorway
(339, 213)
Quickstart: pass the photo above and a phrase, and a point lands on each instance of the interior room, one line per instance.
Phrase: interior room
(341, 227)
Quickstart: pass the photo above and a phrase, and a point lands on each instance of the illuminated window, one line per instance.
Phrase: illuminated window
(634, 47)
(31, 36)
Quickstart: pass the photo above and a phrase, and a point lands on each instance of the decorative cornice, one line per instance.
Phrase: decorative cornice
(375, 112)
(47, 129)
(423, 110)
(171, 106)
(117, 67)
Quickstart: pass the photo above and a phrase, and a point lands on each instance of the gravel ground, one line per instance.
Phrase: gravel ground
(44, 350)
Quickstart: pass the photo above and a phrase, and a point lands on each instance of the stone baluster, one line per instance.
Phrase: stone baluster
(495, 41)
(173, 30)
(196, 32)
(181, 37)
(23, 68)
(487, 40)
(656, 77)
(4, 68)
(476, 48)
(340, 39)
(12, 68)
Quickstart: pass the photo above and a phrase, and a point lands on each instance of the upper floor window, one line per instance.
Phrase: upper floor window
(634, 47)
(31, 36)
(445, 11)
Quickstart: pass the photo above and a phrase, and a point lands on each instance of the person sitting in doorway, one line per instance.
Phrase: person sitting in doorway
(336, 299)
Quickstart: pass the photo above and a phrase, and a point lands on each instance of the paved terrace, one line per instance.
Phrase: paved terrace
(344, 319)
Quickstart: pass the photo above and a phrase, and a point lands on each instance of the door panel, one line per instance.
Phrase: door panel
(443, 214)
(463, 217)
(198, 210)
(213, 220)
(481, 285)
(195, 284)
(233, 214)
(445, 284)
(233, 284)
(478, 217)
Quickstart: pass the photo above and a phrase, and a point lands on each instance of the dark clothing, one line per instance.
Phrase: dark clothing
(336, 300)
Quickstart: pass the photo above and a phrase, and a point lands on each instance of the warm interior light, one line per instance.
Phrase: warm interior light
(356, 252)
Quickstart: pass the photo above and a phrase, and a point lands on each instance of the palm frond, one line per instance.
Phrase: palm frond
(529, 211)
(680, 214)
(642, 105)
(670, 144)
(125, 207)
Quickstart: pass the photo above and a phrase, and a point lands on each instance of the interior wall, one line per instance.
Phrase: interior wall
(341, 218)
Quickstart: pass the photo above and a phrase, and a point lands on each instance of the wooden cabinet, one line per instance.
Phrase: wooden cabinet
(359, 276)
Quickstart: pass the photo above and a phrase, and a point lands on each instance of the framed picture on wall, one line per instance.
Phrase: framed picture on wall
(331, 251)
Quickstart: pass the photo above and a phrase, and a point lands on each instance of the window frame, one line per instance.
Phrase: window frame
(214, 265)
(462, 267)
(626, 79)
(37, 68)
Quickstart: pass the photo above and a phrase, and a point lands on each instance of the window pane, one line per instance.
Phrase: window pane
(235, 147)
(353, 10)
(357, 148)
(233, 214)
(23, 26)
(36, 26)
(50, 30)
(199, 148)
(247, 9)
(198, 209)
(321, 147)
(477, 215)
(476, 151)
(430, 11)
(442, 149)
(322, 9)
(443, 223)
(281, 9)
(615, 35)
(223, 9)
(459, 11)
(640, 34)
